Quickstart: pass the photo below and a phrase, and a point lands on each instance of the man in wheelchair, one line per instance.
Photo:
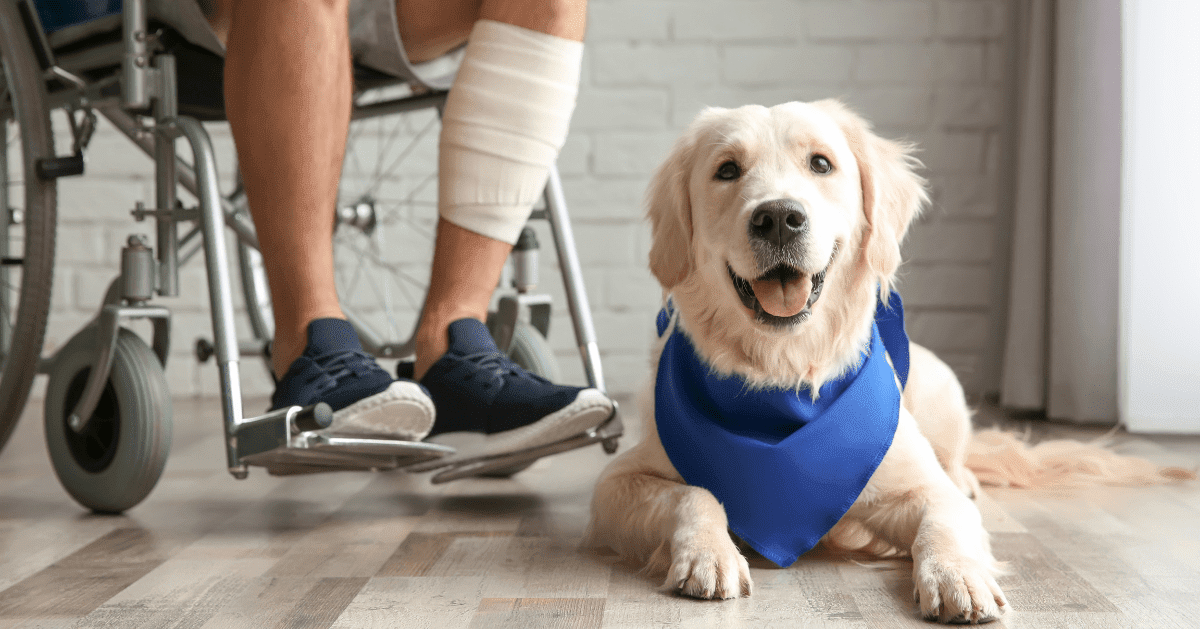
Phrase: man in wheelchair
(288, 100)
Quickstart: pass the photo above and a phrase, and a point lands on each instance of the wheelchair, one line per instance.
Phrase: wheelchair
(108, 407)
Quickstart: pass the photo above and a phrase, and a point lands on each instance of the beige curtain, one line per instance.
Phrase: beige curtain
(1062, 330)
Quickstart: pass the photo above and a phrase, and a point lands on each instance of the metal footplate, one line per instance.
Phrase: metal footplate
(287, 441)
(606, 433)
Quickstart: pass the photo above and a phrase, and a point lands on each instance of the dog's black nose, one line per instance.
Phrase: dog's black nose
(778, 222)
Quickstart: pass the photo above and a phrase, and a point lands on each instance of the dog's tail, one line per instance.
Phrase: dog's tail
(1006, 459)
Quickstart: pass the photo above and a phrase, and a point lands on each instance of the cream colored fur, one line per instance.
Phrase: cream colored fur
(1005, 459)
(917, 501)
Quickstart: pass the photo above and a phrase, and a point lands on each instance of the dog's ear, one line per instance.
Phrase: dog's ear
(893, 194)
(669, 208)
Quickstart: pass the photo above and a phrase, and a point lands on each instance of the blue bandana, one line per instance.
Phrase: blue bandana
(786, 468)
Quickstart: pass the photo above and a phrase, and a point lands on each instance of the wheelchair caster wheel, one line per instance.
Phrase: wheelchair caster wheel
(113, 463)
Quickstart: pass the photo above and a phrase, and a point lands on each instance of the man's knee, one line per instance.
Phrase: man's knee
(256, 17)
(567, 16)
(563, 18)
(560, 10)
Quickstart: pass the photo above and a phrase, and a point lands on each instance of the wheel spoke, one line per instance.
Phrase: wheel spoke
(355, 134)
(411, 202)
(404, 290)
(399, 189)
(396, 128)
(358, 267)
(394, 269)
(379, 243)
(404, 154)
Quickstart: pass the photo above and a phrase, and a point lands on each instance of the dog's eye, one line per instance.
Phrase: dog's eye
(728, 171)
(820, 164)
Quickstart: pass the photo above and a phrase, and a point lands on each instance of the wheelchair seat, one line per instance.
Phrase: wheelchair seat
(85, 36)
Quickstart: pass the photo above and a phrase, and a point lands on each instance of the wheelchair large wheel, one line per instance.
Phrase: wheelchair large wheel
(114, 462)
(387, 219)
(27, 214)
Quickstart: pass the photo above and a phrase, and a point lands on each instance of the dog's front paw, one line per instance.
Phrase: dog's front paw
(959, 591)
(706, 564)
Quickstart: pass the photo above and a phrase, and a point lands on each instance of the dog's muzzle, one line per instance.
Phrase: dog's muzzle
(784, 294)
(789, 279)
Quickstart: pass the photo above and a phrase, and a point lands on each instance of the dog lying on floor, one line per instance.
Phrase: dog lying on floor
(776, 233)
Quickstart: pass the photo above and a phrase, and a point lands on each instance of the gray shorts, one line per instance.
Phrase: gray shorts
(375, 43)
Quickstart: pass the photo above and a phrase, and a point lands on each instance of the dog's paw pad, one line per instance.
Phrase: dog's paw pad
(709, 569)
(957, 592)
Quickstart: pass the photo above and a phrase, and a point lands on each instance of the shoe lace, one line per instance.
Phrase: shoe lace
(496, 367)
(334, 366)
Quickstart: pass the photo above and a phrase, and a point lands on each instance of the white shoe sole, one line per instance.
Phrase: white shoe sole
(590, 409)
(402, 411)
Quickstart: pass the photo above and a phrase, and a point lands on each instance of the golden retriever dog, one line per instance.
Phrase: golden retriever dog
(776, 232)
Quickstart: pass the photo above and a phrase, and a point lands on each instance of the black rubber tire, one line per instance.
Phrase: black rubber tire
(120, 456)
(532, 351)
(23, 331)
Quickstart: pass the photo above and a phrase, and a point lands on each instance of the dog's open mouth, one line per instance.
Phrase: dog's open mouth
(781, 297)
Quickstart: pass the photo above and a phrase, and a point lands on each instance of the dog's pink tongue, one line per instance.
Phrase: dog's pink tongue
(783, 299)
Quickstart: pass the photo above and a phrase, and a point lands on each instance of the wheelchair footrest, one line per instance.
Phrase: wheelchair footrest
(311, 453)
(484, 466)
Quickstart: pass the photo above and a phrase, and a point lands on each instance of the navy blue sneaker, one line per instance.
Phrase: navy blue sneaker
(366, 401)
(477, 388)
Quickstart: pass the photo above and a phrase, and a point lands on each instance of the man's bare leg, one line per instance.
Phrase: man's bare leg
(466, 269)
(467, 265)
(288, 101)
(287, 96)
(287, 93)
(289, 108)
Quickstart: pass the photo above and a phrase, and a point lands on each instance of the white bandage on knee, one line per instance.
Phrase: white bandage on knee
(505, 120)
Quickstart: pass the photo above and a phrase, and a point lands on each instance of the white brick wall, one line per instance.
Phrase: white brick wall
(932, 71)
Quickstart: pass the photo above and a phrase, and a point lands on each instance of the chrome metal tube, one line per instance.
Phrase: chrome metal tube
(187, 248)
(231, 406)
(220, 285)
(577, 300)
(98, 376)
(280, 415)
(108, 326)
(186, 176)
(166, 107)
(399, 105)
(135, 78)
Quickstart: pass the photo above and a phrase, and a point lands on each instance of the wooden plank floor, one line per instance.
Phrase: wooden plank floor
(391, 550)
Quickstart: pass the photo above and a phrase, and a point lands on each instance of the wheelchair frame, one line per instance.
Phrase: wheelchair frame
(146, 82)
